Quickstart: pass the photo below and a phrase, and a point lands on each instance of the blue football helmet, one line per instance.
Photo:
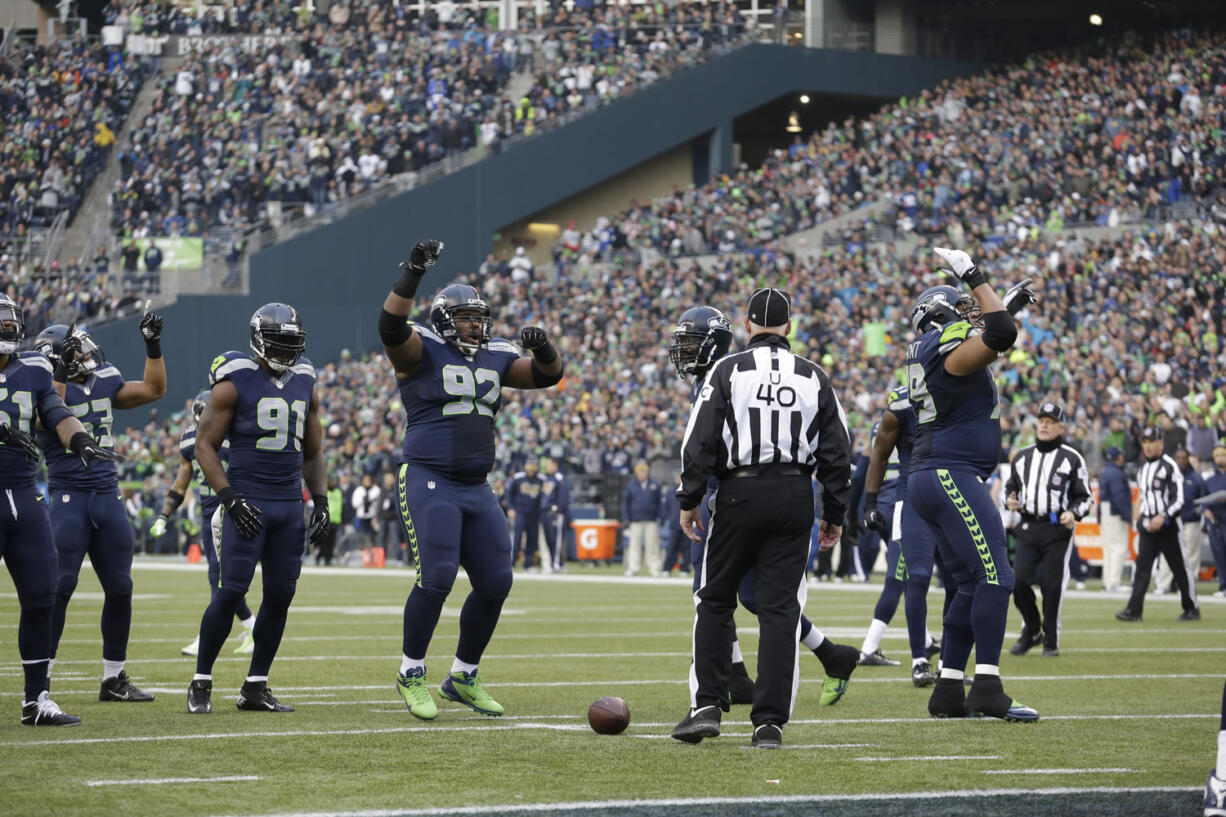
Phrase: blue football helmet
(198, 404)
(461, 301)
(277, 336)
(12, 325)
(941, 305)
(51, 340)
(701, 337)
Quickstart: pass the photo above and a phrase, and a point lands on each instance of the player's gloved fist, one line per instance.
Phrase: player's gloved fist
(248, 519)
(321, 521)
(532, 338)
(70, 353)
(425, 254)
(1019, 296)
(87, 448)
(158, 528)
(960, 265)
(151, 325)
(875, 520)
(20, 439)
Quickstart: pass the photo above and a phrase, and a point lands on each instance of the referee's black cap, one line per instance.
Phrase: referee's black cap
(1052, 410)
(770, 307)
(1151, 433)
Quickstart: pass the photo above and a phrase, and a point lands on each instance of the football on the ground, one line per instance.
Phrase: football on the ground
(608, 716)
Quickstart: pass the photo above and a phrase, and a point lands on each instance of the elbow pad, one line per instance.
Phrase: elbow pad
(999, 331)
(541, 380)
(394, 330)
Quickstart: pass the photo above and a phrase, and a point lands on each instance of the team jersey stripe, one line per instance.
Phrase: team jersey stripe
(230, 367)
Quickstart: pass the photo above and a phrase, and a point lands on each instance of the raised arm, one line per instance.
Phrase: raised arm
(543, 369)
(999, 329)
(135, 393)
(401, 344)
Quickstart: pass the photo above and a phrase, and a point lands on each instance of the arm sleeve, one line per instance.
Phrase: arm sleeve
(1080, 500)
(833, 455)
(704, 436)
(1014, 483)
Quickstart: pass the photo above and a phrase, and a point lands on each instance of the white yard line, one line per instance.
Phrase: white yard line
(921, 758)
(1062, 771)
(162, 781)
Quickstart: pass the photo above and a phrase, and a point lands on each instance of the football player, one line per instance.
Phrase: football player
(451, 377)
(27, 396)
(87, 510)
(189, 470)
(910, 548)
(701, 337)
(957, 445)
(265, 403)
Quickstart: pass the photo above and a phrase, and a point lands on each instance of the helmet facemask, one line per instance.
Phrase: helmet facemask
(12, 327)
(468, 327)
(280, 347)
(691, 352)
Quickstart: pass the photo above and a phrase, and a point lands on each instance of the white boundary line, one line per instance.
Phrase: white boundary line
(961, 794)
(161, 781)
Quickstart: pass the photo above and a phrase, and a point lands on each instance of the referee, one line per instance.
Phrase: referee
(1161, 491)
(1050, 486)
(764, 420)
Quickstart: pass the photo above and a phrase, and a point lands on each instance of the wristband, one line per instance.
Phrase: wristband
(174, 499)
(153, 348)
(320, 501)
(60, 374)
(227, 495)
(975, 277)
(546, 354)
(406, 287)
(870, 501)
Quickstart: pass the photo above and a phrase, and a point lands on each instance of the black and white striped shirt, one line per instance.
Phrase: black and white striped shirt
(1050, 482)
(1161, 490)
(767, 406)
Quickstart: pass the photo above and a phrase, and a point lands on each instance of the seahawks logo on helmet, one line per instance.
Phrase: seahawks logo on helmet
(278, 336)
(942, 305)
(464, 304)
(701, 337)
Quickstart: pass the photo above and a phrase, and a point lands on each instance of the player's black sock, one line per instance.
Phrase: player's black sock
(478, 618)
(116, 624)
(421, 611)
(916, 609)
(34, 642)
(988, 615)
(1223, 729)
(825, 650)
(959, 633)
(215, 627)
(270, 626)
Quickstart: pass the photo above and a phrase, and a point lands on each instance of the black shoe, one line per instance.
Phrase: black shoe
(767, 736)
(120, 688)
(1126, 615)
(700, 723)
(200, 697)
(948, 699)
(1190, 615)
(987, 698)
(841, 662)
(1025, 642)
(921, 674)
(255, 697)
(45, 712)
(876, 659)
(933, 649)
(1051, 652)
(740, 685)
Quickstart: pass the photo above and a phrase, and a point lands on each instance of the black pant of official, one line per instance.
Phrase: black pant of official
(761, 524)
(1149, 545)
(1041, 545)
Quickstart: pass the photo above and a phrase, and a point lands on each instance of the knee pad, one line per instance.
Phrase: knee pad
(434, 591)
(229, 597)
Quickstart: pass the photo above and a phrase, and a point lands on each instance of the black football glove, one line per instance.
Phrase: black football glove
(248, 519)
(151, 331)
(18, 438)
(425, 254)
(1019, 296)
(321, 521)
(873, 518)
(87, 448)
(532, 338)
(70, 353)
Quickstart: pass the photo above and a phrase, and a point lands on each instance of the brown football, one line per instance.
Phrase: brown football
(608, 716)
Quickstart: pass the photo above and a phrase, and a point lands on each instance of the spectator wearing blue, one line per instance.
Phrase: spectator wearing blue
(1191, 536)
(153, 258)
(676, 545)
(642, 507)
(524, 509)
(555, 503)
(1115, 518)
(1215, 517)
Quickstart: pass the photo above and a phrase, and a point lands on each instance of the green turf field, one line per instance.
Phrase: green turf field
(1129, 714)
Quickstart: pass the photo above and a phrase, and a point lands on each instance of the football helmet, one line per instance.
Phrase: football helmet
(12, 325)
(701, 337)
(50, 341)
(277, 336)
(461, 302)
(942, 304)
(198, 403)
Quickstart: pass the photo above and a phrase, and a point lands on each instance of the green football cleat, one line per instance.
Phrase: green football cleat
(465, 688)
(833, 690)
(412, 687)
(246, 645)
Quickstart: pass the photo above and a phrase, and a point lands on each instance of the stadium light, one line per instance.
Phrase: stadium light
(1096, 19)
(804, 99)
(793, 123)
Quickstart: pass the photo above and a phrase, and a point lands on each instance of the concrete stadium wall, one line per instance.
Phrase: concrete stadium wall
(338, 275)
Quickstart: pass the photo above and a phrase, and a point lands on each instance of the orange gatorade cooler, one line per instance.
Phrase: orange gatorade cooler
(595, 538)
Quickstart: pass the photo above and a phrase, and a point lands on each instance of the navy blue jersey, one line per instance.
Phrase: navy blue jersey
(26, 392)
(268, 427)
(92, 401)
(958, 418)
(450, 401)
(187, 450)
(899, 404)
